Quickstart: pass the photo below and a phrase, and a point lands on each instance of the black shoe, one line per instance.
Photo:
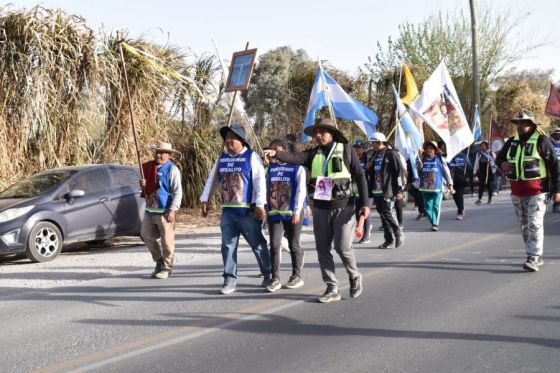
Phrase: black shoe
(533, 263)
(399, 241)
(365, 240)
(330, 295)
(421, 217)
(385, 245)
(356, 286)
(157, 269)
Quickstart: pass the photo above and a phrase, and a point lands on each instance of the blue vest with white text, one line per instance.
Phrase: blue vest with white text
(235, 177)
(556, 145)
(163, 196)
(282, 184)
(431, 179)
(458, 161)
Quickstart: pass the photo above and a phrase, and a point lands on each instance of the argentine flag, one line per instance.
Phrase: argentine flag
(477, 131)
(408, 140)
(326, 89)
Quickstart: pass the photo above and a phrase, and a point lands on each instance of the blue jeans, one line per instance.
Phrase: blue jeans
(233, 226)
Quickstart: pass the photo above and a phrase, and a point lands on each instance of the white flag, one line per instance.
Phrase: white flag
(438, 105)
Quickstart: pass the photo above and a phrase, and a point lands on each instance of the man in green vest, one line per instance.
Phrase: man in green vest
(335, 168)
(530, 163)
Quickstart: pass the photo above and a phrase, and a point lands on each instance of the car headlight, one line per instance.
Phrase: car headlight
(14, 213)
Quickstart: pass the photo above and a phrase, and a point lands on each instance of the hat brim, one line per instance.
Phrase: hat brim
(515, 120)
(429, 143)
(337, 136)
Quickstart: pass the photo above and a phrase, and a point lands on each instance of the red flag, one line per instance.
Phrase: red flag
(553, 104)
(495, 137)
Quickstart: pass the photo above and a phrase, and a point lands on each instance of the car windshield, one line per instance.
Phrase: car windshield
(37, 184)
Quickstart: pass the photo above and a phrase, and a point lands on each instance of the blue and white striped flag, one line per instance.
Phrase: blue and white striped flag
(477, 131)
(326, 89)
(408, 140)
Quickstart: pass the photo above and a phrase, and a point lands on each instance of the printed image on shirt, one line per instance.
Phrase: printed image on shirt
(232, 188)
(430, 180)
(323, 188)
(280, 195)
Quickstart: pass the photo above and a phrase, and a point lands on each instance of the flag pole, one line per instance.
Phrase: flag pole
(331, 110)
(397, 119)
(131, 114)
(469, 148)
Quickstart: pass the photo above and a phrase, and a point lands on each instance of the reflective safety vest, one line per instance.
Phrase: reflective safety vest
(160, 201)
(235, 176)
(333, 166)
(282, 184)
(528, 163)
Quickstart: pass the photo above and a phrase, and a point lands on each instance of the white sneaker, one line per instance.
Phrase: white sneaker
(460, 216)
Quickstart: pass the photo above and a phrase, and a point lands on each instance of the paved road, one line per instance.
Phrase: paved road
(452, 301)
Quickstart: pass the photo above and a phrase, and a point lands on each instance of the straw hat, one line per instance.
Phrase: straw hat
(329, 125)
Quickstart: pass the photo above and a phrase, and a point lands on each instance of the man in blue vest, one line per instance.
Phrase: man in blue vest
(530, 163)
(555, 140)
(243, 196)
(335, 170)
(162, 191)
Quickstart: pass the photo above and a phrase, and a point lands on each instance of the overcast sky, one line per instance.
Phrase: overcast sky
(345, 32)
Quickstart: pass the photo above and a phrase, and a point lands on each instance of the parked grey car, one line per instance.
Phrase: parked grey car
(80, 203)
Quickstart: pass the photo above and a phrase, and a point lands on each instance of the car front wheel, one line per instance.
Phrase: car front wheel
(44, 242)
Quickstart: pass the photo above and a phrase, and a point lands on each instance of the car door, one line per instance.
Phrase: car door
(127, 206)
(88, 216)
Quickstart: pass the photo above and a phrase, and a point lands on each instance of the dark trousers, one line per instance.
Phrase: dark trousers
(386, 209)
(459, 199)
(485, 185)
(399, 210)
(418, 199)
(293, 232)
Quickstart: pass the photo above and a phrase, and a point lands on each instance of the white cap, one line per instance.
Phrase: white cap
(378, 136)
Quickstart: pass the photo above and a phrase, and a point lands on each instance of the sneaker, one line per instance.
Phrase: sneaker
(274, 285)
(460, 217)
(156, 270)
(533, 263)
(421, 217)
(478, 202)
(266, 281)
(294, 282)
(435, 228)
(229, 286)
(163, 274)
(365, 240)
(489, 202)
(399, 241)
(385, 245)
(330, 295)
(401, 227)
(356, 286)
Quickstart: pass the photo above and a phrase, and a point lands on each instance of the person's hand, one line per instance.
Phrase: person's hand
(364, 211)
(142, 183)
(296, 219)
(170, 216)
(399, 196)
(507, 166)
(556, 197)
(204, 209)
(369, 165)
(451, 189)
(269, 154)
(260, 213)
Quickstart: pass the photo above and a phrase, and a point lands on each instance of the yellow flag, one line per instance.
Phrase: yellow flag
(411, 90)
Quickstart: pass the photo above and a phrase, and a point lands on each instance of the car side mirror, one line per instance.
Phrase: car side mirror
(74, 193)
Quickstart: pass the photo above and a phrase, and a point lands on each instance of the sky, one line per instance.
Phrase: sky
(344, 32)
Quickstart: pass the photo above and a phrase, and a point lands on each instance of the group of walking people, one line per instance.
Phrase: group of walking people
(341, 182)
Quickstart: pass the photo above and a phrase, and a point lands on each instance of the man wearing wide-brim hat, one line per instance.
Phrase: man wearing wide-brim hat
(240, 173)
(335, 169)
(529, 161)
(162, 191)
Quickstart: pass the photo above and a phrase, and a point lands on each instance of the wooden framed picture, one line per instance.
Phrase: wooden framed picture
(240, 70)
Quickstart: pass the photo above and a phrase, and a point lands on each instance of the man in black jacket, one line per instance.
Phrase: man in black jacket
(335, 168)
(386, 187)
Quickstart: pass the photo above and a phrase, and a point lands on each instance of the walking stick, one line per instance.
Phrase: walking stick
(132, 116)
